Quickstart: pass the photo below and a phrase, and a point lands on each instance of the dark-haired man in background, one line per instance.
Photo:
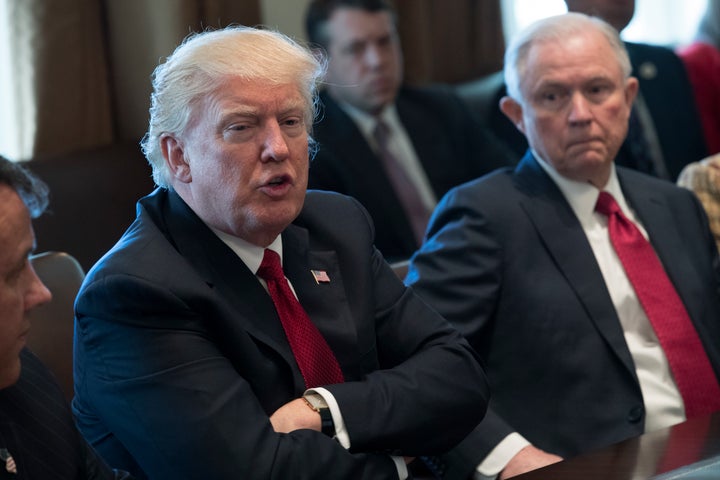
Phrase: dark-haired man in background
(433, 141)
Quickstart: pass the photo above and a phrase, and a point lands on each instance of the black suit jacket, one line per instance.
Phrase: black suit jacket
(37, 428)
(666, 91)
(508, 263)
(181, 358)
(451, 147)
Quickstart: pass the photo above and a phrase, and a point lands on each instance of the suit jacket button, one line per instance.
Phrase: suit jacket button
(636, 414)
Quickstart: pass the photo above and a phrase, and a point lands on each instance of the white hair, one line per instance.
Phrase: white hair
(557, 28)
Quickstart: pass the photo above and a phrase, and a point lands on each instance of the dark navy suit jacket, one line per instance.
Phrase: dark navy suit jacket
(38, 430)
(180, 357)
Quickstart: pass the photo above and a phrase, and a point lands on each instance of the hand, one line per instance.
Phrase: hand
(295, 415)
(529, 458)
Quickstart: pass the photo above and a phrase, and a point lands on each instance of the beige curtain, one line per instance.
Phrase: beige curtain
(59, 81)
(450, 41)
(143, 32)
(81, 68)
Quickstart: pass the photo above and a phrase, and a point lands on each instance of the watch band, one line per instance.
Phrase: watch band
(318, 404)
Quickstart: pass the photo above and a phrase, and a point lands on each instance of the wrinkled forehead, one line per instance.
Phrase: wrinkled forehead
(589, 51)
(250, 97)
(352, 25)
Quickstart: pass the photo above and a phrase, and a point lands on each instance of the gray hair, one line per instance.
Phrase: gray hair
(200, 64)
(556, 28)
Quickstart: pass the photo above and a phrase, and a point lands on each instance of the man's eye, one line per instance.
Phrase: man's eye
(355, 49)
(551, 97)
(599, 92)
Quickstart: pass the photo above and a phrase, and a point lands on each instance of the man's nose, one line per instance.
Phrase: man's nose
(373, 55)
(275, 147)
(579, 108)
(38, 294)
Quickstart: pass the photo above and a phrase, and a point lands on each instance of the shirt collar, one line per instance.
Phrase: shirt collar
(366, 122)
(250, 254)
(582, 196)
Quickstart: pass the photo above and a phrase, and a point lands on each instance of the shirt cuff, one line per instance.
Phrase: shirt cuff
(401, 467)
(341, 434)
(500, 456)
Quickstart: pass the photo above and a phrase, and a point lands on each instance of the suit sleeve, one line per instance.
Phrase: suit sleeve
(458, 271)
(415, 348)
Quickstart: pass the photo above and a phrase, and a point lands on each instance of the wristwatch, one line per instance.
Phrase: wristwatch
(318, 403)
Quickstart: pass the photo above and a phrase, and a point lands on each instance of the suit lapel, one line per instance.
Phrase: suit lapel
(565, 241)
(325, 302)
(656, 215)
(224, 272)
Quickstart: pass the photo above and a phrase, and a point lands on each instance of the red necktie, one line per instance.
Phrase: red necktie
(690, 366)
(407, 192)
(317, 362)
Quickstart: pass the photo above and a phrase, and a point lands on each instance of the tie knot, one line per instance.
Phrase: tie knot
(270, 268)
(381, 132)
(606, 204)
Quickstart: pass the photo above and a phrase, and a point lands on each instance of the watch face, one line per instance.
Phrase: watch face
(316, 401)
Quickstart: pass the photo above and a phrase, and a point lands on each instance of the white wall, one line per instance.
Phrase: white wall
(286, 16)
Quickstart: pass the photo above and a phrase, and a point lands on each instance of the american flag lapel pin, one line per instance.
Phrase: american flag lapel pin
(320, 276)
(9, 461)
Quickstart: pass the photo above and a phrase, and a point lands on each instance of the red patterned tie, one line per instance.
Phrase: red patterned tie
(690, 366)
(317, 362)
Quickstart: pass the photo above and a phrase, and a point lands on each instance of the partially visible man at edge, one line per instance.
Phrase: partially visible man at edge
(38, 437)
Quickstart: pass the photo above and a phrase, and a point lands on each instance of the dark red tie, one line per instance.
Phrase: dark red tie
(417, 213)
(690, 366)
(317, 362)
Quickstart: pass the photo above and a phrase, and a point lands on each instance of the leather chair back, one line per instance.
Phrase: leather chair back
(51, 331)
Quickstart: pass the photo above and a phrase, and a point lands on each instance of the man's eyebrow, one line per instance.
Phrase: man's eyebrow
(551, 84)
(238, 111)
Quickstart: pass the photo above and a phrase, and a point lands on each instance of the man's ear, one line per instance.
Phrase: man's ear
(513, 110)
(174, 153)
(631, 90)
